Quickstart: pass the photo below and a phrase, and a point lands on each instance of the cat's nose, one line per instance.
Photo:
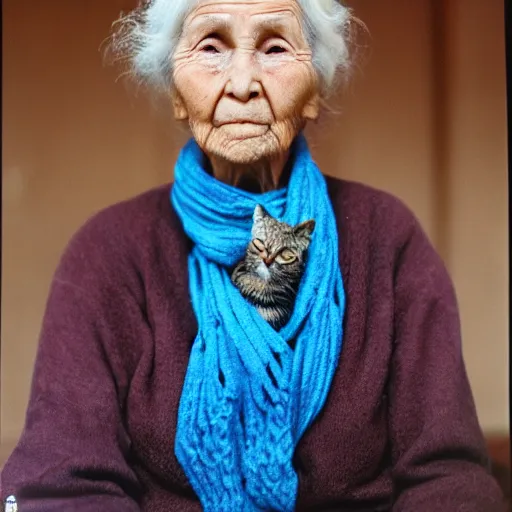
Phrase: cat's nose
(268, 261)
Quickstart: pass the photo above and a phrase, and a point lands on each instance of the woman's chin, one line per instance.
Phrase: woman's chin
(244, 149)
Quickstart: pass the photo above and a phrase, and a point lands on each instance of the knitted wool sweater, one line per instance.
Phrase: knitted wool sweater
(399, 431)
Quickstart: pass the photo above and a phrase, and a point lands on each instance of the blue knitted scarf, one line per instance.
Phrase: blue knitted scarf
(250, 392)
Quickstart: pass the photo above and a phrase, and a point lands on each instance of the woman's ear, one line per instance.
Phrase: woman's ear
(178, 105)
(312, 108)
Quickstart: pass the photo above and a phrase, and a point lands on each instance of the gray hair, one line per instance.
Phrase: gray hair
(146, 39)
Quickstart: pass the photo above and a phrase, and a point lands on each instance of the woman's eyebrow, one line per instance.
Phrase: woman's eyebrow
(280, 25)
(275, 21)
(266, 21)
(207, 22)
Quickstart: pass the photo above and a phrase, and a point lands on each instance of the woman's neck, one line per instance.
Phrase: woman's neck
(258, 177)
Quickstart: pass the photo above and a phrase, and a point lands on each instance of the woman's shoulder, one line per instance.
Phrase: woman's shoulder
(116, 238)
(126, 219)
(371, 212)
(383, 231)
(135, 212)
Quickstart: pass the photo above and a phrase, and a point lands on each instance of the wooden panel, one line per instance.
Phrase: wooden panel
(499, 451)
(477, 220)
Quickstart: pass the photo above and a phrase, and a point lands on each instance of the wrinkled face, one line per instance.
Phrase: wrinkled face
(244, 78)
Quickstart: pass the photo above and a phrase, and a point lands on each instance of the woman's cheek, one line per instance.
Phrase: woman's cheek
(299, 89)
(199, 89)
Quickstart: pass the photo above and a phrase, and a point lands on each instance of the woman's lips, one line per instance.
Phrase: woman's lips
(229, 112)
(244, 129)
(262, 120)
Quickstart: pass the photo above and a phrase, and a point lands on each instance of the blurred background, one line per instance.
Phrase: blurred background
(424, 118)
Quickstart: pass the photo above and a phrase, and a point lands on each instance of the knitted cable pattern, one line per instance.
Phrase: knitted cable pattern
(251, 392)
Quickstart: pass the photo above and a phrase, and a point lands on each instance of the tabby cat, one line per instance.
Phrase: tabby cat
(269, 274)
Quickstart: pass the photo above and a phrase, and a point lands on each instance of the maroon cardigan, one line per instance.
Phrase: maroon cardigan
(399, 430)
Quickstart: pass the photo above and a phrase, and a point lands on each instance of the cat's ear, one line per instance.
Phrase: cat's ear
(304, 228)
(259, 213)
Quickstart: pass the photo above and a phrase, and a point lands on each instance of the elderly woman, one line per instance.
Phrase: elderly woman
(158, 386)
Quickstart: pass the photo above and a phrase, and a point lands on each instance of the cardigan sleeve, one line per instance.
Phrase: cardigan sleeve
(72, 454)
(438, 450)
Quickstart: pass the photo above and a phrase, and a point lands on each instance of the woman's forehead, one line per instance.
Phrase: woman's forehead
(282, 11)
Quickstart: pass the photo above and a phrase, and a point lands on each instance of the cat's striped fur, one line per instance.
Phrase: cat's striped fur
(269, 275)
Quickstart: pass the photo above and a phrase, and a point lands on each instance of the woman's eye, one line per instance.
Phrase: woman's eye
(212, 43)
(275, 49)
(209, 48)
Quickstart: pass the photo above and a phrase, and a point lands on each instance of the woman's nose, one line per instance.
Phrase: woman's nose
(243, 83)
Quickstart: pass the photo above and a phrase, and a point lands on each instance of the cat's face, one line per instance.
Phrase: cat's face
(277, 250)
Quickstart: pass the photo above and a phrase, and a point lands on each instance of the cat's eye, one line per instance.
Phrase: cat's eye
(285, 257)
(258, 245)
